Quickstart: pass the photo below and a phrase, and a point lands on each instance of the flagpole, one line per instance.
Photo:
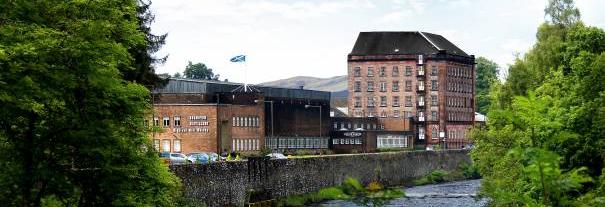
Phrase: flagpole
(245, 76)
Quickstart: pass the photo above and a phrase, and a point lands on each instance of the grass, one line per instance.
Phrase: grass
(331, 193)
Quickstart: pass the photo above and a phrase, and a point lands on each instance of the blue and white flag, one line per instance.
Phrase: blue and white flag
(239, 58)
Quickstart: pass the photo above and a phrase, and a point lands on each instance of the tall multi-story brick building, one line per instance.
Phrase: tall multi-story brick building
(396, 75)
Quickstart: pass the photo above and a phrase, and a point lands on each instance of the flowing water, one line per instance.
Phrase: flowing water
(460, 193)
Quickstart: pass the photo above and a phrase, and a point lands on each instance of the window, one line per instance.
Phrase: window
(434, 116)
(166, 121)
(370, 86)
(420, 100)
(383, 101)
(156, 144)
(434, 70)
(395, 86)
(396, 113)
(421, 85)
(176, 146)
(383, 86)
(408, 70)
(357, 86)
(383, 72)
(434, 85)
(383, 114)
(408, 101)
(166, 145)
(357, 72)
(357, 102)
(177, 121)
(395, 71)
(396, 101)
(420, 70)
(434, 132)
(370, 71)
(156, 121)
(408, 85)
(370, 101)
(233, 122)
(434, 100)
(334, 141)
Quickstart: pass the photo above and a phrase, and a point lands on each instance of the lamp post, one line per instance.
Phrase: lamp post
(271, 102)
(310, 106)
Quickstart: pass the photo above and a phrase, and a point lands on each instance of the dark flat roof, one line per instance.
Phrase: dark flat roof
(400, 43)
(180, 85)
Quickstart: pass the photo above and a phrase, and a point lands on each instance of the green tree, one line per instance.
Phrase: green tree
(562, 12)
(177, 75)
(199, 71)
(144, 60)
(72, 121)
(487, 74)
(546, 124)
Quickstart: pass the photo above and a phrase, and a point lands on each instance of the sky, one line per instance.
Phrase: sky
(287, 38)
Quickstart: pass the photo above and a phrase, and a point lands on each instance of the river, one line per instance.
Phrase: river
(459, 193)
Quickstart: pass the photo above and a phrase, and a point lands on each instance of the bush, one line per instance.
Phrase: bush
(470, 171)
(434, 177)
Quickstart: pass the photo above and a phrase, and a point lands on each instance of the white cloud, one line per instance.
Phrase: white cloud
(312, 37)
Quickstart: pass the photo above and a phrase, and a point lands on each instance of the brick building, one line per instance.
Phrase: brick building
(367, 134)
(396, 75)
(212, 116)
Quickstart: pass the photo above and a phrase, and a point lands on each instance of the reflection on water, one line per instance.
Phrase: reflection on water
(461, 193)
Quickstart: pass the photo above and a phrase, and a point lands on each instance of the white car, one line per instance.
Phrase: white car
(174, 158)
(278, 156)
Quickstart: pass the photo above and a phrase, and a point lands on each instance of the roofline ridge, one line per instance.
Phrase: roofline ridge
(429, 40)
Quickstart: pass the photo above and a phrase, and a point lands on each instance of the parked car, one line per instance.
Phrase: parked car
(174, 158)
(277, 156)
(198, 157)
(212, 157)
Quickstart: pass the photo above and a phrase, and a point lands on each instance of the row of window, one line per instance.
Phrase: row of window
(460, 86)
(459, 102)
(383, 86)
(382, 71)
(371, 102)
(383, 114)
(245, 144)
(355, 126)
(392, 141)
(460, 72)
(297, 142)
(166, 144)
(356, 141)
(250, 121)
(460, 116)
(166, 121)
(433, 116)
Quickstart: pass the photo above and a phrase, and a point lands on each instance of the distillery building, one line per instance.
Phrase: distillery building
(213, 116)
(418, 75)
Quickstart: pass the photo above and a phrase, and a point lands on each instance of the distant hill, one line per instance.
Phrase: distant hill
(337, 85)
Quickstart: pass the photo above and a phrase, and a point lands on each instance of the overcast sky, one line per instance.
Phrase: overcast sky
(283, 39)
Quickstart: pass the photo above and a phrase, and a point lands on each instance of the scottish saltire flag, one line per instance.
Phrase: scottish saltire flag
(239, 58)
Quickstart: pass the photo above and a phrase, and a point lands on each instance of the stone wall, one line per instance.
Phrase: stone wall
(230, 183)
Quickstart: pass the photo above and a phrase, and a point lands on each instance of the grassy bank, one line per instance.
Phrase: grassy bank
(440, 176)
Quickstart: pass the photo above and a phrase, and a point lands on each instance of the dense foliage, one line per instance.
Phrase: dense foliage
(487, 75)
(545, 140)
(72, 111)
